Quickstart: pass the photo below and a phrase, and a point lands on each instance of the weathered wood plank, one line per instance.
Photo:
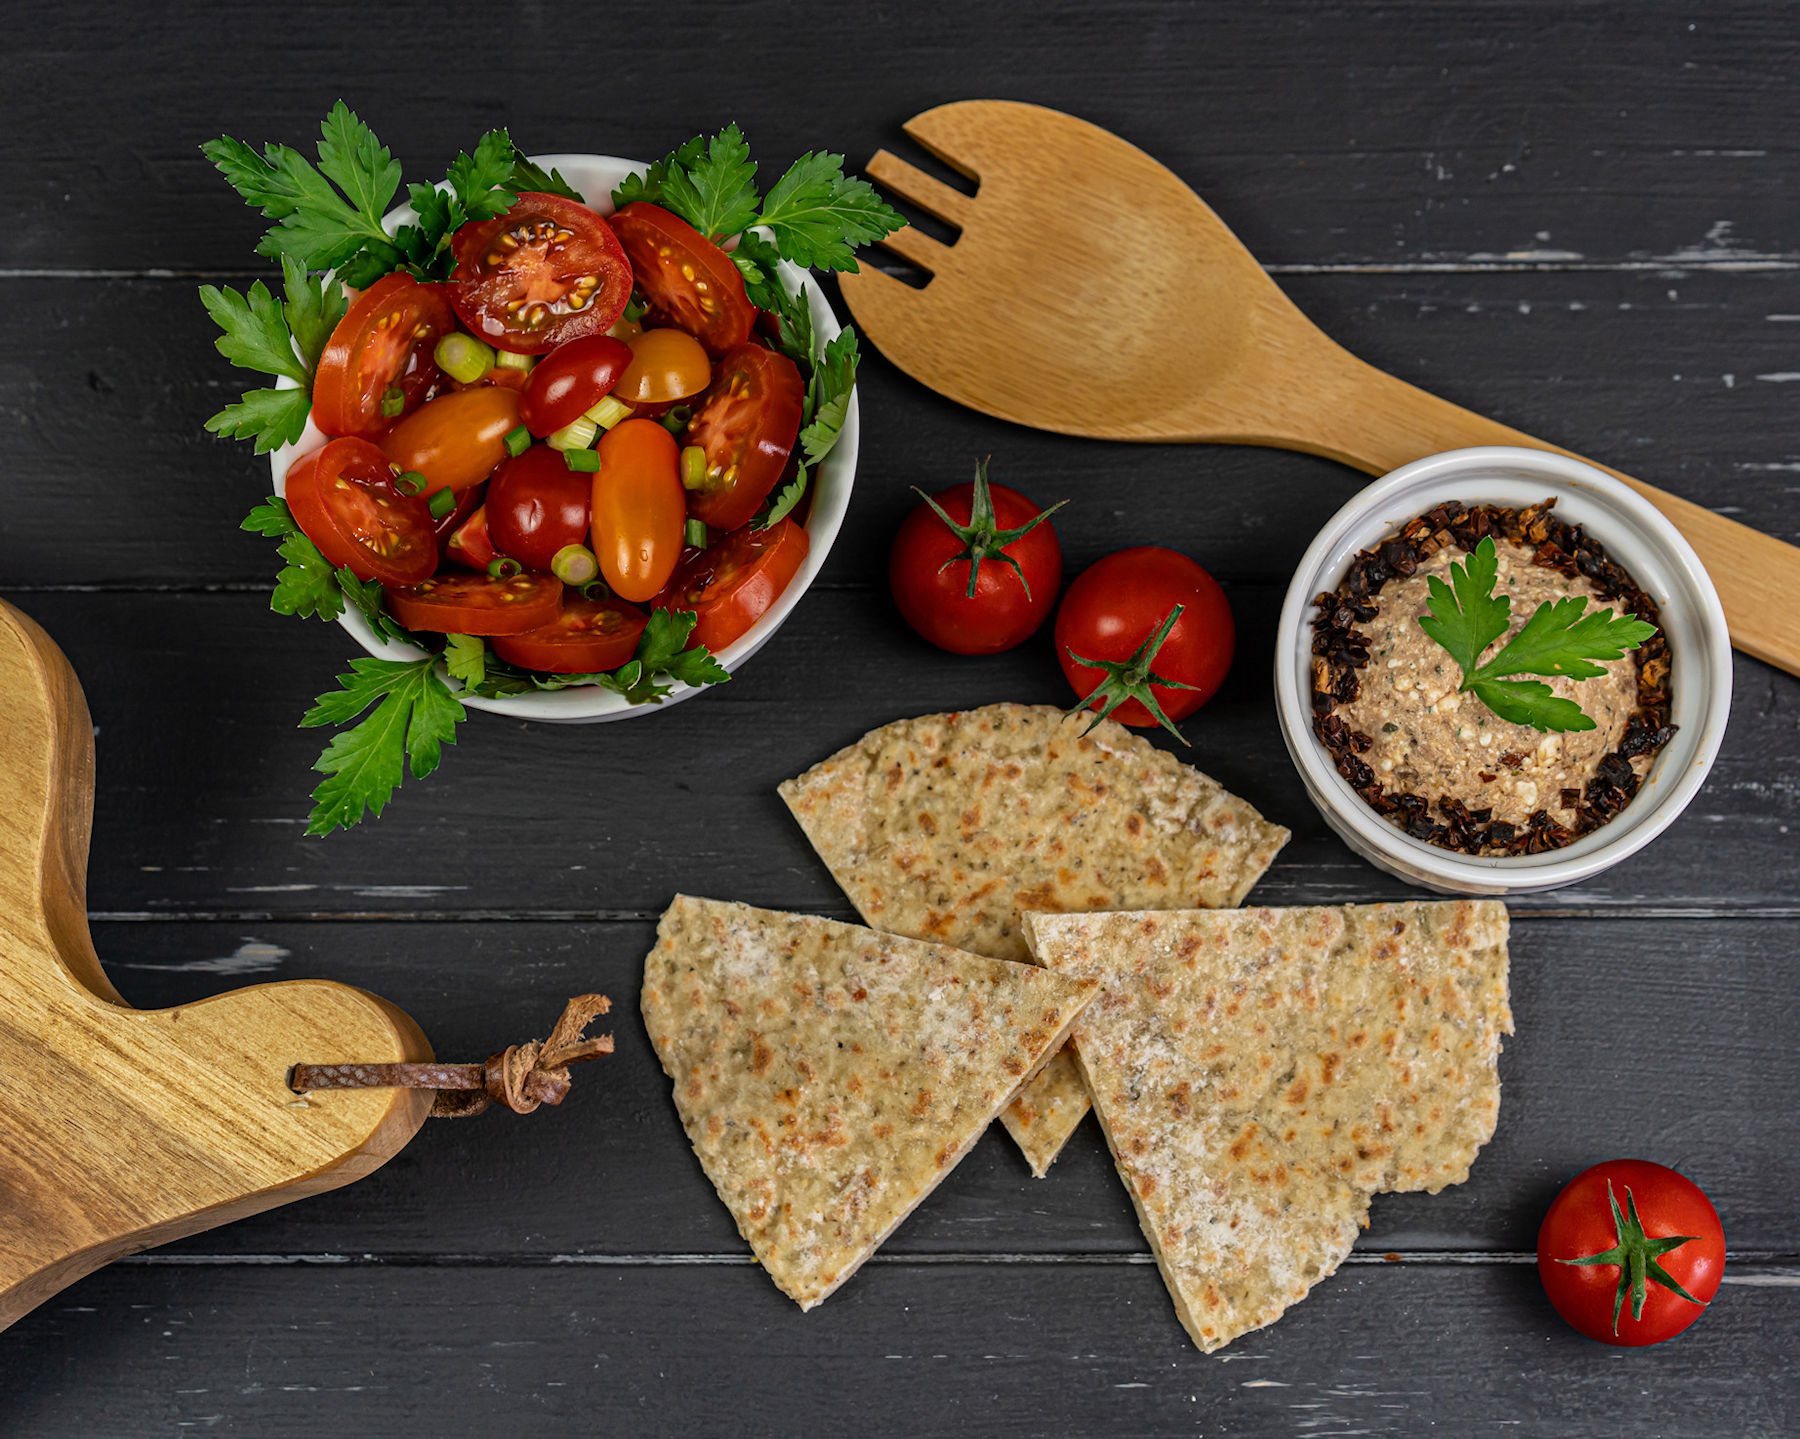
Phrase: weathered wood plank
(1341, 133)
(1632, 1039)
(905, 1348)
(203, 775)
(110, 478)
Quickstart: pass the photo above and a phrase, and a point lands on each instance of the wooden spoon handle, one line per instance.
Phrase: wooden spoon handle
(1378, 423)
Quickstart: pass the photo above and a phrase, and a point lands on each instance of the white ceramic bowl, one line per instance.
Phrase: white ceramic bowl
(596, 176)
(1634, 534)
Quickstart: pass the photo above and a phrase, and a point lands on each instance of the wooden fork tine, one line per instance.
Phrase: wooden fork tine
(918, 248)
(909, 182)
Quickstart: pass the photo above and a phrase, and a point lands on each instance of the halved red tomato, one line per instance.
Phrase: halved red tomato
(588, 637)
(536, 504)
(346, 504)
(470, 544)
(731, 584)
(689, 281)
(380, 353)
(570, 381)
(747, 422)
(546, 272)
(477, 604)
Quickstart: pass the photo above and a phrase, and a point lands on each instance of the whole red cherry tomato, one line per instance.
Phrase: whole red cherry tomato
(570, 381)
(535, 505)
(1631, 1252)
(546, 272)
(377, 364)
(975, 568)
(1114, 614)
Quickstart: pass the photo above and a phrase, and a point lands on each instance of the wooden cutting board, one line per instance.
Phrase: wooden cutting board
(122, 1128)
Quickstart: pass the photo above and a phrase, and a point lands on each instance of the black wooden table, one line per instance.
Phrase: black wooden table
(1578, 218)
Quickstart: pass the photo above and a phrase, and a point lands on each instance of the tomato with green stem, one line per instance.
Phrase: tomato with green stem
(378, 365)
(344, 500)
(638, 508)
(546, 272)
(746, 422)
(1145, 635)
(586, 637)
(1631, 1252)
(456, 604)
(939, 579)
(689, 282)
(732, 583)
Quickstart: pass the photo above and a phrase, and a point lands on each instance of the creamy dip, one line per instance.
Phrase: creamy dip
(1431, 740)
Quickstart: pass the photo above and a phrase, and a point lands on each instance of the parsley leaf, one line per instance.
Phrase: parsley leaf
(713, 189)
(529, 176)
(281, 338)
(465, 657)
(649, 185)
(270, 417)
(782, 505)
(816, 214)
(481, 181)
(662, 650)
(415, 716)
(307, 584)
(1561, 638)
(828, 395)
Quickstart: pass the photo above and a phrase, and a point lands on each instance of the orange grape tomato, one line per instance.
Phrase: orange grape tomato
(456, 440)
(639, 508)
(731, 584)
(666, 365)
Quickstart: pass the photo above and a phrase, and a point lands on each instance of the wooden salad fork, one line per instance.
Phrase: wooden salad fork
(1091, 292)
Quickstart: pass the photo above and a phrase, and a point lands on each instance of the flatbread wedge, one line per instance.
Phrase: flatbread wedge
(946, 827)
(1260, 1073)
(830, 1076)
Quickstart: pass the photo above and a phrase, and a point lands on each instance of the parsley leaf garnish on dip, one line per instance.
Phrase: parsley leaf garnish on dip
(1560, 638)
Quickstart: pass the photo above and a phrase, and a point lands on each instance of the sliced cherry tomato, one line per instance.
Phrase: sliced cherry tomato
(1659, 1243)
(546, 272)
(690, 282)
(1116, 607)
(536, 505)
(477, 604)
(747, 423)
(588, 637)
(730, 584)
(380, 350)
(346, 504)
(638, 508)
(1000, 605)
(570, 381)
(666, 365)
(470, 544)
(457, 440)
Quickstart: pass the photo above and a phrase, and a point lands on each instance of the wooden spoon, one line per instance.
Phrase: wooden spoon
(1092, 292)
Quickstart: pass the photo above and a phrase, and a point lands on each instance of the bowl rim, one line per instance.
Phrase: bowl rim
(1427, 481)
(832, 483)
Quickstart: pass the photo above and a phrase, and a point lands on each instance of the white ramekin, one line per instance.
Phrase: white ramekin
(596, 176)
(1634, 534)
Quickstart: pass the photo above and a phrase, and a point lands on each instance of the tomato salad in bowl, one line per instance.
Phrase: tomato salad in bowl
(561, 439)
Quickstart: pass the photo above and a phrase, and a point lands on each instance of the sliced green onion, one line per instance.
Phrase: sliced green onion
(608, 412)
(507, 360)
(518, 441)
(463, 357)
(504, 568)
(410, 483)
(695, 534)
(578, 434)
(586, 462)
(693, 467)
(634, 307)
(574, 564)
(441, 503)
(596, 590)
(393, 401)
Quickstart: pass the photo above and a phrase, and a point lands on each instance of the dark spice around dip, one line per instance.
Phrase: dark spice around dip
(1341, 650)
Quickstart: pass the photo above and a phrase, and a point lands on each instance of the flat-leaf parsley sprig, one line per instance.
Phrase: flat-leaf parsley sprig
(814, 216)
(1562, 637)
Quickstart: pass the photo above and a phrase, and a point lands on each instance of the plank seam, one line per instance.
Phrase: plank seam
(647, 916)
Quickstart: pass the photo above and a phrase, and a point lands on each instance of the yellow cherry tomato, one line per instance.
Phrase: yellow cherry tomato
(456, 440)
(639, 509)
(665, 365)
